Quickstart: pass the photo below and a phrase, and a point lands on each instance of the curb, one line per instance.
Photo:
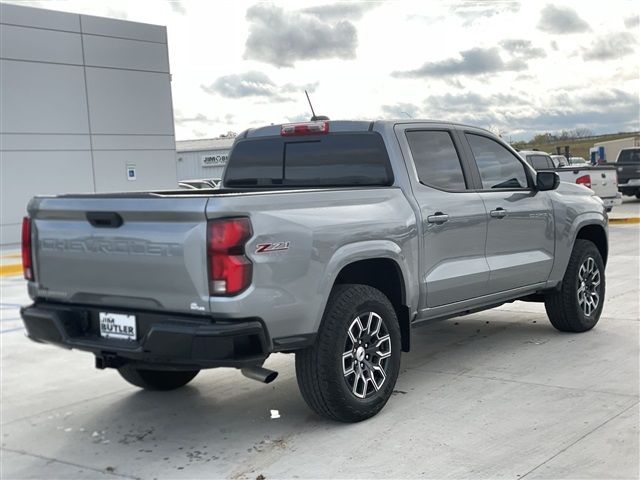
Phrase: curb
(627, 220)
(10, 269)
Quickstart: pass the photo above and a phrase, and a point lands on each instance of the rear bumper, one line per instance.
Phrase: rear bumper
(164, 339)
(613, 201)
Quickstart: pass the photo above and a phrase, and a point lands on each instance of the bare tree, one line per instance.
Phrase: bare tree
(583, 132)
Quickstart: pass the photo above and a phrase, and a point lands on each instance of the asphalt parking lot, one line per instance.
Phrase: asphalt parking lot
(499, 394)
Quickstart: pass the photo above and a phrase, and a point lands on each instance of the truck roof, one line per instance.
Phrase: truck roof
(533, 152)
(350, 126)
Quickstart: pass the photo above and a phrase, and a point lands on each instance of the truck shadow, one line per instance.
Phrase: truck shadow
(222, 416)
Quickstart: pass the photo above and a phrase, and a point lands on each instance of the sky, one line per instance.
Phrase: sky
(517, 68)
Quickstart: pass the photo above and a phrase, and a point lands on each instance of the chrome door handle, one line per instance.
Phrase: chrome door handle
(498, 213)
(438, 218)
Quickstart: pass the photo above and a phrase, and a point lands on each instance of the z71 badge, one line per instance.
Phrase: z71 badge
(272, 247)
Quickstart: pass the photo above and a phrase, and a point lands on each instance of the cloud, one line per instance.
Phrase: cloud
(476, 61)
(401, 110)
(471, 12)
(281, 38)
(561, 20)
(255, 84)
(340, 11)
(522, 49)
(600, 110)
(610, 47)
(115, 13)
(198, 118)
(632, 21)
(177, 6)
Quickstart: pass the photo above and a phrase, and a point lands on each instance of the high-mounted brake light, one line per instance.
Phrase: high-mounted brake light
(27, 264)
(229, 268)
(308, 128)
(584, 180)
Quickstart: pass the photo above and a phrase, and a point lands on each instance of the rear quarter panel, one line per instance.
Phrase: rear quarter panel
(324, 231)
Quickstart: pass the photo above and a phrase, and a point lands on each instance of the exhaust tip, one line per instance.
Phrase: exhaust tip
(260, 374)
(271, 377)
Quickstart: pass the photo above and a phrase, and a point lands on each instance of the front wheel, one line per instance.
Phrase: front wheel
(577, 306)
(156, 379)
(350, 372)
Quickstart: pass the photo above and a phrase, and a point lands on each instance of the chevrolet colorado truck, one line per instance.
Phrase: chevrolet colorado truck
(327, 239)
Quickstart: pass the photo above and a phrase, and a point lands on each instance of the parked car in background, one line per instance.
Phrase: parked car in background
(601, 179)
(199, 184)
(628, 166)
(559, 160)
(577, 161)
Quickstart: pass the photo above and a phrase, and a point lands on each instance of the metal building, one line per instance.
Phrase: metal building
(612, 147)
(203, 158)
(85, 106)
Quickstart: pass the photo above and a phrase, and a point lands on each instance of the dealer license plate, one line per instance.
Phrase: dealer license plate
(117, 325)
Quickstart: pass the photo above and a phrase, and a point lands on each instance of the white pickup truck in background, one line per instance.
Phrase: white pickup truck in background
(603, 180)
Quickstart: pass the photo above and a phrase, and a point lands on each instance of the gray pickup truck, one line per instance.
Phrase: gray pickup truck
(328, 239)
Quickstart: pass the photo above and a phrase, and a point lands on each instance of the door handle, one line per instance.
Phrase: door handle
(438, 218)
(498, 213)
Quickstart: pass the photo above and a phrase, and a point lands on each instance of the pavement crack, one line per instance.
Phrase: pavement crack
(580, 439)
(510, 380)
(72, 464)
(44, 412)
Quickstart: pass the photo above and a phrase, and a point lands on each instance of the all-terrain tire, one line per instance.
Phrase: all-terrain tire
(156, 379)
(563, 306)
(320, 369)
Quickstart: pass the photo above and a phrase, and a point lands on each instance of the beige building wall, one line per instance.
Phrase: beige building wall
(83, 102)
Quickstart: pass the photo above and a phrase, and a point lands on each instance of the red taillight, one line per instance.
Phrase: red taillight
(27, 264)
(229, 269)
(308, 128)
(584, 180)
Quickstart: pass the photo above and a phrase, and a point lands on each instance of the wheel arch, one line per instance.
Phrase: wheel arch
(597, 235)
(383, 274)
(381, 265)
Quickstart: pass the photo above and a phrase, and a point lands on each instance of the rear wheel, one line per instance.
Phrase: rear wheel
(577, 306)
(350, 372)
(156, 379)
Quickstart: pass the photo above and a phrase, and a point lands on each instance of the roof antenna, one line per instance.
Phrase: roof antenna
(314, 117)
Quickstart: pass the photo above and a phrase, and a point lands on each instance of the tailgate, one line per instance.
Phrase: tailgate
(604, 182)
(130, 252)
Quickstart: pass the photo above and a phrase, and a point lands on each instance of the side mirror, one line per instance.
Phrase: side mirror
(547, 181)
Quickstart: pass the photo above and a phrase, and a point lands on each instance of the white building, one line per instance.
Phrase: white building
(203, 158)
(613, 147)
(85, 106)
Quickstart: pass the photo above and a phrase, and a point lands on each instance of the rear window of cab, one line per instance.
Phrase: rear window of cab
(335, 159)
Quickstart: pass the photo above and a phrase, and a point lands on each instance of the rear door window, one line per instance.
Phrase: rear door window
(436, 159)
(540, 162)
(498, 167)
(631, 156)
(338, 159)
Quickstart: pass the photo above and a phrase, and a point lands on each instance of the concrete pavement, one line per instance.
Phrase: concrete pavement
(499, 394)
